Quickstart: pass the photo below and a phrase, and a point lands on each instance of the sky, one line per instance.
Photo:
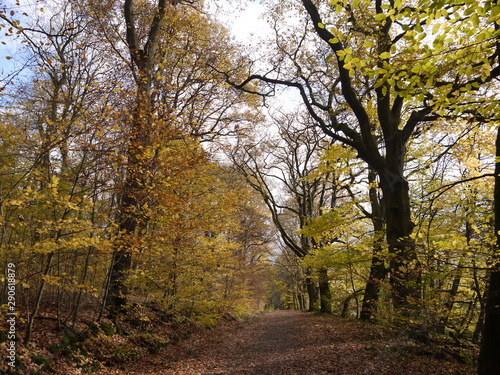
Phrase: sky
(244, 19)
(246, 22)
(8, 49)
(5, 49)
(249, 26)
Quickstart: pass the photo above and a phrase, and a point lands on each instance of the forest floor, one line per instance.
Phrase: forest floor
(298, 343)
(279, 342)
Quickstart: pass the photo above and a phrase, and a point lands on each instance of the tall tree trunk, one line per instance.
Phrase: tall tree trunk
(489, 360)
(378, 271)
(312, 291)
(324, 291)
(302, 302)
(138, 151)
(130, 218)
(479, 323)
(405, 269)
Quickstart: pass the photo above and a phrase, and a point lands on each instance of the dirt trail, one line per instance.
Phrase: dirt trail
(296, 343)
(272, 345)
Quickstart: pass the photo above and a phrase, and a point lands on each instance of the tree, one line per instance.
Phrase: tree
(489, 363)
(143, 59)
(451, 194)
(55, 110)
(341, 229)
(289, 289)
(205, 251)
(378, 270)
(377, 82)
(175, 94)
(85, 157)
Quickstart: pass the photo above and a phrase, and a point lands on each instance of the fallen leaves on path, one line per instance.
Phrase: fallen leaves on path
(297, 343)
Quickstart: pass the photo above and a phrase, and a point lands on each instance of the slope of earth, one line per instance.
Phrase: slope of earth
(291, 342)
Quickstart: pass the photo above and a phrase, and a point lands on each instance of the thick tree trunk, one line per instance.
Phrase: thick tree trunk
(117, 293)
(130, 215)
(405, 269)
(489, 360)
(324, 291)
(378, 271)
(139, 147)
(312, 291)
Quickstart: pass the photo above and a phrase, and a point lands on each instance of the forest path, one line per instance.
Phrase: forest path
(298, 343)
(281, 342)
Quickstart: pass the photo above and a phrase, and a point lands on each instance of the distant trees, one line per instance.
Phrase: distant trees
(276, 168)
(285, 170)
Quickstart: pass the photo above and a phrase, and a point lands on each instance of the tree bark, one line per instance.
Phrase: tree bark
(489, 360)
(312, 292)
(378, 271)
(324, 291)
(140, 142)
(405, 268)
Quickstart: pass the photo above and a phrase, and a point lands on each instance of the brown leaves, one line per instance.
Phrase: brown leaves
(291, 342)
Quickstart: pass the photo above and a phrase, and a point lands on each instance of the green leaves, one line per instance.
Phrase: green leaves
(475, 20)
(385, 55)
